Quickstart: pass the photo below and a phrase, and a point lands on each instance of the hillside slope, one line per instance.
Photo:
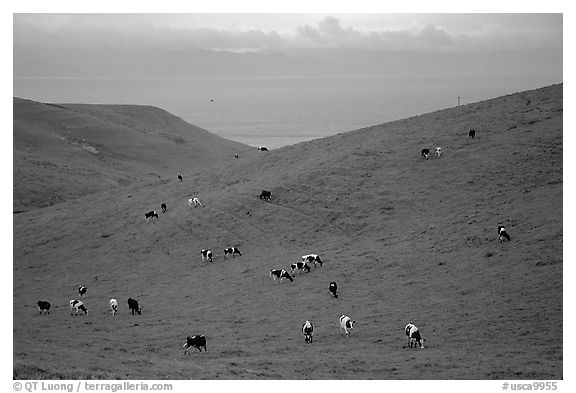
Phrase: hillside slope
(64, 151)
(406, 239)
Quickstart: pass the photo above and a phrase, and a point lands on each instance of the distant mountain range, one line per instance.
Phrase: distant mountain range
(89, 62)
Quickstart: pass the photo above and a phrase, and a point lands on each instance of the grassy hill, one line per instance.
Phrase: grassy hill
(406, 239)
(62, 151)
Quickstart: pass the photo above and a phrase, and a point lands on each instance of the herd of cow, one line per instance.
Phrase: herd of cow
(278, 275)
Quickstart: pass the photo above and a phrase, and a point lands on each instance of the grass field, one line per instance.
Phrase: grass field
(406, 239)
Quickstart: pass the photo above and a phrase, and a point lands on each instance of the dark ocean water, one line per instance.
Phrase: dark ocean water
(279, 111)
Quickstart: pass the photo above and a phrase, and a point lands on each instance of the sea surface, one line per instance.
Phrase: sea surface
(279, 111)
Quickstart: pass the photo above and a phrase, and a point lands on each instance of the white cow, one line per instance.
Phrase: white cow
(438, 151)
(194, 202)
(345, 324)
(113, 306)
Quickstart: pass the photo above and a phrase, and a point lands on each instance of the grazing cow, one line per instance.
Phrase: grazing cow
(266, 195)
(438, 151)
(195, 341)
(345, 324)
(307, 329)
(333, 288)
(82, 290)
(44, 306)
(235, 155)
(502, 234)
(134, 307)
(413, 335)
(180, 177)
(232, 250)
(301, 266)
(425, 153)
(163, 207)
(471, 134)
(263, 148)
(76, 306)
(113, 303)
(150, 214)
(281, 274)
(312, 258)
(206, 255)
(194, 202)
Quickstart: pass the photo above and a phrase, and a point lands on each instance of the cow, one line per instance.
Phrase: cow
(413, 335)
(232, 251)
(345, 324)
(425, 153)
(333, 288)
(307, 329)
(44, 306)
(194, 202)
(263, 148)
(206, 255)
(301, 266)
(281, 274)
(76, 306)
(180, 177)
(134, 307)
(113, 303)
(82, 290)
(266, 195)
(312, 258)
(502, 234)
(471, 134)
(195, 341)
(150, 214)
(163, 207)
(235, 155)
(438, 151)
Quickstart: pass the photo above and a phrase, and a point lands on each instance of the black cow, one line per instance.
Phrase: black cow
(195, 341)
(180, 177)
(235, 155)
(266, 195)
(280, 274)
(263, 148)
(134, 307)
(43, 306)
(150, 214)
(82, 290)
(502, 234)
(232, 250)
(425, 153)
(333, 288)
(471, 134)
(307, 329)
(301, 266)
(163, 207)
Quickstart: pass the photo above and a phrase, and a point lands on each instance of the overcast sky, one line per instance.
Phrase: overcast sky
(250, 32)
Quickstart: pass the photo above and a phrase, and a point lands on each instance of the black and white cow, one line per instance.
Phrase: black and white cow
(194, 202)
(195, 341)
(333, 288)
(151, 214)
(502, 234)
(82, 290)
(232, 251)
(235, 155)
(413, 335)
(134, 307)
(263, 148)
(307, 329)
(44, 306)
(206, 255)
(312, 258)
(425, 153)
(164, 207)
(438, 151)
(180, 177)
(113, 303)
(300, 266)
(471, 134)
(266, 195)
(280, 274)
(76, 306)
(345, 324)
